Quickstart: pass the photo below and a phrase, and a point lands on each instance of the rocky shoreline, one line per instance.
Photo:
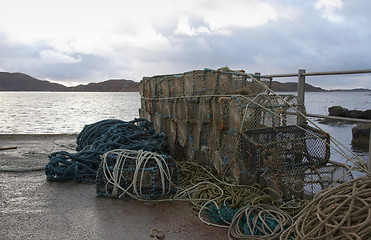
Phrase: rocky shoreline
(360, 132)
(339, 111)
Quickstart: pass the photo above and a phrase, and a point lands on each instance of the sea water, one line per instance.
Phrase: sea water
(62, 112)
(68, 112)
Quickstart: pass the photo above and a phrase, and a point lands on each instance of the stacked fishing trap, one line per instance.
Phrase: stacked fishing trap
(229, 119)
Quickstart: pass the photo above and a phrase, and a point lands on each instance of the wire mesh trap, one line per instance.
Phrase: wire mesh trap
(283, 147)
(229, 120)
(136, 174)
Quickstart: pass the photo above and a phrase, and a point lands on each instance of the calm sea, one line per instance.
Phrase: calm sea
(68, 112)
(62, 112)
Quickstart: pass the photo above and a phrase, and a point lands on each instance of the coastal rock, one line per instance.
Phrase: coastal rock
(361, 136)
(366, 114)
(355, 114)
(338, 111)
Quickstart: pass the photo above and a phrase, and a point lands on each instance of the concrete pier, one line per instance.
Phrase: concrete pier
(33, 208)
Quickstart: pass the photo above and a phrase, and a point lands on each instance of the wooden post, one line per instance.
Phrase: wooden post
(369, 153)
(301, 93)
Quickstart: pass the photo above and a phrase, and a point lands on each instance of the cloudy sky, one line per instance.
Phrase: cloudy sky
(81, 41)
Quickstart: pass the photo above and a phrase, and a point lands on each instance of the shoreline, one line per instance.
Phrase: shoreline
(38, 135)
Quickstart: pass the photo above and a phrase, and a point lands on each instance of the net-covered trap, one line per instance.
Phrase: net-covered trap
(229, 120)
(303, 182)
(283, 147)
(136, 174)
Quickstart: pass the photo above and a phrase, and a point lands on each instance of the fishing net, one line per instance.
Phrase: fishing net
(228, 120)
(98, 138)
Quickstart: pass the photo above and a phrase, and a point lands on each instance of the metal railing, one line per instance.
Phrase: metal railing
(301, 94)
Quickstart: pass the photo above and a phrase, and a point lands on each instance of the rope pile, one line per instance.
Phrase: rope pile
(203, 188)
(219, 199)
(98, 138)
(141, 175)
(342, 212)
(248, 211)
(259, 222)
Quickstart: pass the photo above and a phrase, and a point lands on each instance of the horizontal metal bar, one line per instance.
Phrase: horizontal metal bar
(338, 72)
(340, 118)
(281, 75)
(319, 73)
(334, 117)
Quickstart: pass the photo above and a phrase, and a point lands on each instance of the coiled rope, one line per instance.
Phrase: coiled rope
(98, 138)
(342, 212)
(259, 222)
(141, 175)
(226, 204)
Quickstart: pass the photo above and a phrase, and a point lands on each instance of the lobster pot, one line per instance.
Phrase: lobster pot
(210, 82)
(283, 148)
(136, 174)
(176, 85)
(198, 83)
(157, 122)
(166, 112)
(304, 182)
(331, 175)
(181, 114)
(188, 83)
(224, 84)
(164, 88)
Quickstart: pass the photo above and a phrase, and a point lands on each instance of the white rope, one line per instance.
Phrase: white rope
(141, 160)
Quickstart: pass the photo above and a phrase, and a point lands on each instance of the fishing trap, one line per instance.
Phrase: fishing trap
(139, 174)
(231, 121)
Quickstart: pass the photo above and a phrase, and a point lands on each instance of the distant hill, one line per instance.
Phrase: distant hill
(351, 90)
(293, 87)
(23, 82)
(117, 85)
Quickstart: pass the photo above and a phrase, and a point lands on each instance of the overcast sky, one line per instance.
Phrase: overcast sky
(81, 41)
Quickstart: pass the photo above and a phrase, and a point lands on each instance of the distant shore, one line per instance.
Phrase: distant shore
(24, 82)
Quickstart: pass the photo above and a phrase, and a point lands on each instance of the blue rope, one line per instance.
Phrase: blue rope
(96, 139)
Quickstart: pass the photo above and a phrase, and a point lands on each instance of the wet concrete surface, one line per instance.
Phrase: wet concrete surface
(33, 208)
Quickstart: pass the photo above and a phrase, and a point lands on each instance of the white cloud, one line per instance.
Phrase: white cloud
(220, 16)
(238, 13)
(49, 56)
(93, 40)
(329, 4)
(184, 27)
(87, 27)
(329, 8)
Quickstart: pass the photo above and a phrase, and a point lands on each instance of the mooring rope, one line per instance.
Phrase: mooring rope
(342, 212)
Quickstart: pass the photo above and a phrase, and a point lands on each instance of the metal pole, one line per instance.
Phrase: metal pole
(319, 73)
(301, 92)
(257, 76)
